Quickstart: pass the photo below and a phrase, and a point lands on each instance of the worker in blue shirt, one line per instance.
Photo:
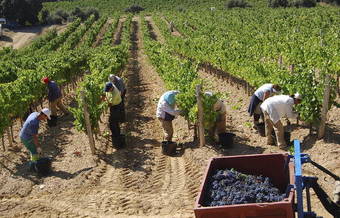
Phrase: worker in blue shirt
(29, 132)
(54, 97)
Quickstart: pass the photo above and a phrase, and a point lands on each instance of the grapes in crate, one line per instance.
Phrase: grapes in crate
(228, 187)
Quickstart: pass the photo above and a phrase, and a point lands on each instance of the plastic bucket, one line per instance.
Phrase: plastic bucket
(226, 139)
(52, 122)
(43, 166)
(169, 148)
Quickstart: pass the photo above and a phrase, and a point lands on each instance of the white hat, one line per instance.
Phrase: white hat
(297, 96)
(111, 77)
(47, 112)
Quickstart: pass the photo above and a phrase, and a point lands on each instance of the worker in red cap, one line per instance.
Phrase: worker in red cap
(54, 97)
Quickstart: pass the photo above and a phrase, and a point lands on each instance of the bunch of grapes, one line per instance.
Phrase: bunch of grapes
(227, 187)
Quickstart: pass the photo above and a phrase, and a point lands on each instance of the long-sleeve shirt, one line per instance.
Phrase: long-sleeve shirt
(164, 107)
(53, 91)
(279, 106)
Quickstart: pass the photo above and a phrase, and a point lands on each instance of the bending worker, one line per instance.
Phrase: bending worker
(260, 95)
(54, 97)
(119, 83)
(275, 108)
(219, 126)
(29, 132)
(114, 100)
(166, 113)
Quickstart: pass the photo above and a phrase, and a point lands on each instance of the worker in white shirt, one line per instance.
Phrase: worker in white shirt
(166, 112)
(275, 108)
(260, 95)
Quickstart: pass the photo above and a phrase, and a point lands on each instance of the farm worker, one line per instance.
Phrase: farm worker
(114, 99)
(260, 95)
(54, 97)
(275, 108)
(166, 113)
(29, 132)
(220, 124)
(119, 83)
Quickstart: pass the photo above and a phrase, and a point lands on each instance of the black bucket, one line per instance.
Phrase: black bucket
(261, 129)
(52, 122)
(42, 166)
(169, 148)
(226, 139)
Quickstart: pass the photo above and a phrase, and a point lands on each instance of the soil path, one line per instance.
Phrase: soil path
(22, 37)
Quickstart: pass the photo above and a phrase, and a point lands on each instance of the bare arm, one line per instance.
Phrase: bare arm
(36, 140)
(266, 95)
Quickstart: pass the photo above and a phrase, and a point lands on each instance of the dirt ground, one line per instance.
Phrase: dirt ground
(138, 181)
(23, 36)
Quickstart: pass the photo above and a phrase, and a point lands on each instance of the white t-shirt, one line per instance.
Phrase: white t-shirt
(279, 106)
(263, 89)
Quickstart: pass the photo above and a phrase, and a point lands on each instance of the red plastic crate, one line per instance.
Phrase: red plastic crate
(269, 165)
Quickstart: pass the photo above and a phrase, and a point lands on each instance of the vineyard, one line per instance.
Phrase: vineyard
(164, 47)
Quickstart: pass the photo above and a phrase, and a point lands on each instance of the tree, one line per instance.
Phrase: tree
(21, 11)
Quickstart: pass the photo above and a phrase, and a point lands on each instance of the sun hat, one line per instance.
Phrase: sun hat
(45, 79)
(169, 97)
(297, 96)
(111, 77)
(108, 86)
(47, 112)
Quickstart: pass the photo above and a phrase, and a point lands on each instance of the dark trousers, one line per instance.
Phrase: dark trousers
(117, 116)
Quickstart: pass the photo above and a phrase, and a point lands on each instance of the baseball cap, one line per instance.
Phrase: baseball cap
(108, 86)
(297, 96)
(45, 79)
(47, 112)
(169, 97)
(111, 77)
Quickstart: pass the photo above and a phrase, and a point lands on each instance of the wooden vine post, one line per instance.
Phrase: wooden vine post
(200, 115)
(3, 143)
(9, 135)
(321, 132)
(88, 124)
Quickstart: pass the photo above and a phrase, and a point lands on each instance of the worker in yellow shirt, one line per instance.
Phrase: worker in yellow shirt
(114, 100)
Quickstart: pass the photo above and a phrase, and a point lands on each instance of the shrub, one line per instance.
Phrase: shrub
(62, 14)
(76, 12)
(92, 11)
(304, 3)
(44, 14)
(237, 4)
(54, 20)
(277, 3)
(134, 9)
